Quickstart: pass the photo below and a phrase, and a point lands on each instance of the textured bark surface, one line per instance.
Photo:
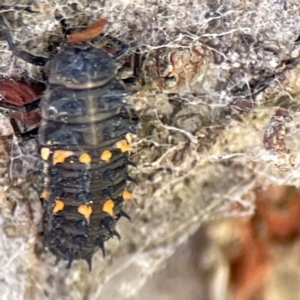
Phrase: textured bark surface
(214, 76)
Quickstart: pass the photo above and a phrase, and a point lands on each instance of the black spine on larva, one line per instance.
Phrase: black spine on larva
(83, 111)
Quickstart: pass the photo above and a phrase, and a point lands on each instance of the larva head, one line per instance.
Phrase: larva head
(77, 68)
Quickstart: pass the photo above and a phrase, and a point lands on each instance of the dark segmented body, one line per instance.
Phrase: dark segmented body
(83, 113)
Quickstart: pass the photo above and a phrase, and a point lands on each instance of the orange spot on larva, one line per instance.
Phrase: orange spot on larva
(89, 33)
(45, 153)
(45, 194)
(59, 205)
(59, 156)
(108, 207)
(127, 195)
(85, 158)
(106, 155)
(85, 210)
(123, 146)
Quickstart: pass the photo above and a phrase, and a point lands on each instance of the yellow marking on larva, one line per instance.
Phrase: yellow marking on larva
(85, 158)
(49, 142)
(108, 207)
(45, 153)
(85, 210)
(59, 205)
(128, 138)
(127, 195)
(106, 155)
(45, 194)
(123, 146)
(59, 156)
